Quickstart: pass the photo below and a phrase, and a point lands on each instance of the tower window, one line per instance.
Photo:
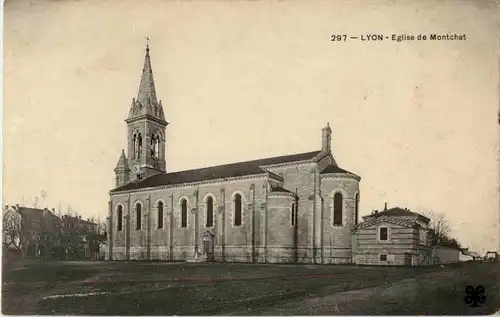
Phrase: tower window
(119, 218)
(155, 146)
(138, 215)
(184, 213)
(337, 209)
(134, 146)
(237, 210)
(294, 215)
(137, 146)
(210, 212)
(356, 209)
(140, 146)
(160, 215)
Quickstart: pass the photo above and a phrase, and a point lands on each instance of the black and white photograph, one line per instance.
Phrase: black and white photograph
(250, 157)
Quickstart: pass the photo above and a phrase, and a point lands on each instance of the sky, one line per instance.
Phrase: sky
(417, 120)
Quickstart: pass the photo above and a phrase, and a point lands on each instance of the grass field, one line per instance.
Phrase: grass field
(160, 288)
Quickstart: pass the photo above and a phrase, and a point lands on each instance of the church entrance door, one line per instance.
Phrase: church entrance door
(208, 246)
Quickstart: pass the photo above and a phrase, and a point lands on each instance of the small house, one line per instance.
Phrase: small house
(395, 236)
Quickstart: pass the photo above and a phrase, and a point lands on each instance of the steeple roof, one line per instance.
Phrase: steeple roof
(146, 102)
(147, 92)
(122, 161)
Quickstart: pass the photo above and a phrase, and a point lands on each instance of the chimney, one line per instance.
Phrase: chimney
(17, 207)
(45, 212)
(326, 137)
(54, 211)
(385, 207)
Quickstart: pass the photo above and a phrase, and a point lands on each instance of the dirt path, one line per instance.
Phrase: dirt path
(431, 293)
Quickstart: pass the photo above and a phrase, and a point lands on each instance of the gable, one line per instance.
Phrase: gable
(384, 224)
(390, 223)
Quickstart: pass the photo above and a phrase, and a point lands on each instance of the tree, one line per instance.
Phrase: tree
(12, 231)
(70, 236)
(441, 231)
(451, 243)
(35, 201)
(96, 237)
(439, 226)
(44, 195)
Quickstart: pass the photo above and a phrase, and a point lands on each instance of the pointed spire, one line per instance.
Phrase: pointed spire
(147, 92)
(122, 161)
(133, 109)
(146, 102)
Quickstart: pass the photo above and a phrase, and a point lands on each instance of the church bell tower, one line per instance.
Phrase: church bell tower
(146, 128)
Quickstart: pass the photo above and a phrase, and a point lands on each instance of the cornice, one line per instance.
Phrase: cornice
(148, 117)
(341, 176)
(192, 184)
(295, 163)
(275, 176)
(322, 155)
(287, 194)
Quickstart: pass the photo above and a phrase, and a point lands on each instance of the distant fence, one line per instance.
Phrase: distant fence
(60, 254)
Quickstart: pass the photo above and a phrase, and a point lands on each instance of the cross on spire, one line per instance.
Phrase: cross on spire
(147, 43)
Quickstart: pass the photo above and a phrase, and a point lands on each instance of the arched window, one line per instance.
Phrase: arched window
(134, 146)
(337, 209)
(119, 218)
(237, 210)
(210, 212)
(139, 146)
(138, 217)
(184, 213)
(356, 209)
(153, 154)
(157, 146)
(160, 215)
(294, 215)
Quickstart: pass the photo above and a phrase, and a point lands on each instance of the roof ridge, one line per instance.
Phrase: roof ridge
(248, 161)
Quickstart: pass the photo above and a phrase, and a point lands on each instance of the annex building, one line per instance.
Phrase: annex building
(295, 208)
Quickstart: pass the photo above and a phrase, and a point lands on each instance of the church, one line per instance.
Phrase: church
(297, 208)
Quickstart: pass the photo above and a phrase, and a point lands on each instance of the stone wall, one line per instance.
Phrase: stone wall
(265, 234)
(442, 254)
(374, 259)
(300, 179)
(336, 239)
(174, 242)
(401, 248)
(282, 235)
